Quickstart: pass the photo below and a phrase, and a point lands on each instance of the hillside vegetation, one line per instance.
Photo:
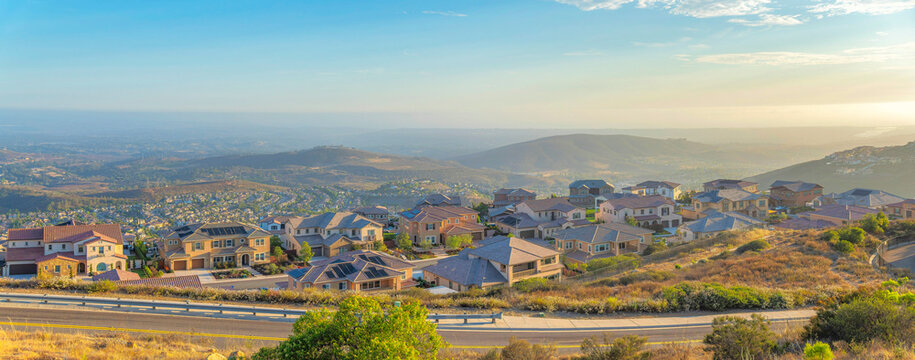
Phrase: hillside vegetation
(889, 168)
(156, 193)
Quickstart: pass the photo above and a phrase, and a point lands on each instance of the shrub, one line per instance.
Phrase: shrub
(844, 246)
(818, 351)
(615, 263)
(738, 338)
(715, 297)
(830, 236)
(655, 247)
(755, 245)
(624, 348)
(518, 349)
(102, 286)
(875, 224)
(532, 284)
(854, 235)
(879, 316)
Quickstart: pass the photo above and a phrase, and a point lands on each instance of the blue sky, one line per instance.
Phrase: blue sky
(536, 63)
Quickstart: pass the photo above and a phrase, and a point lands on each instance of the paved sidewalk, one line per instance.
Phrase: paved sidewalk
(538, 323)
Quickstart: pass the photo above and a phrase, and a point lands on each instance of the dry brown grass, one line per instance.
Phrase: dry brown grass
(46, 345)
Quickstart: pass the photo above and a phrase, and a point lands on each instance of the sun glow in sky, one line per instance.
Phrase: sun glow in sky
(528, 63)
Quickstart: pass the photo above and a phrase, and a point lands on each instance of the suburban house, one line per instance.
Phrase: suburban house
(331, 233)
(505, 197)
(441, 200)
(379, 214)
(727, 200)
(715, 223)
(901, 210)
(588, 193)
(653, 210)
(275, 225)
(497, 261)
(668, 189)
(541, 218)
(724, 184)
(436, 223)
(63, 250)
(869, 198)
(838, 214)
(794, 193)
(360, 271)
(601, 240)
(204, 245)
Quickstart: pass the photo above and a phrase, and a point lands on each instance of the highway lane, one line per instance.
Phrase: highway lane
(265, 332)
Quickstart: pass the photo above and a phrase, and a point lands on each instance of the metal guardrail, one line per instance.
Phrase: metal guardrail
(188, 306)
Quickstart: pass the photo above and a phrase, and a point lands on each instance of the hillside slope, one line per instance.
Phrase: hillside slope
(624, 158)
(890, 168)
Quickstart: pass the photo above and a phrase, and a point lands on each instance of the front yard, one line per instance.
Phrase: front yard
(232, 274)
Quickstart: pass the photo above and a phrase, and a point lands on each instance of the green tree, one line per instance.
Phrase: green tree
(458, 241)
(482, 209)
(403, 241)
(140, 250)
(875, 224)
(305, 254)
(425, 244)
(518, 349)
(279, 254)
(379, 246)
(880, 316)
(275, 241)
(632, 221)
(844, 246)
(854, 235)
(818, 351)
(362, 328)
(738, 338)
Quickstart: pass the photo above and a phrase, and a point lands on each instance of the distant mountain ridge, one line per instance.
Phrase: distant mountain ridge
(889, 168)
(626, 158)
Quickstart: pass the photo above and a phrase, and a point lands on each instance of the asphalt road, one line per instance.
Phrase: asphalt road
(903, 257)
(229, 331)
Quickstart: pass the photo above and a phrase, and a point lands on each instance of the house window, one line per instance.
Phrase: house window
(370, 285)
(326, 286)
(215, 244)
(217, 259)
(259, 242)
(430, 238)
(430, 226)
(57, 268)
(568, 244)
(49, 246)
(622, 246)
(80, 249)
(101, 250)
(342, 286)
(230, 243)
(762, 202)
(198, 246)
(371, 233)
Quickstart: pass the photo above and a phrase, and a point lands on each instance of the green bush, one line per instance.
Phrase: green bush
(854, 235)
(518, 349)
(830, 236)
(615, 263)
(655, 247)
(102, 286)
(738, 338)
(884, 315)
(624, 348)
(818, 351)
(844, 246)
(532, 284)
(715, 297)
(755, 245)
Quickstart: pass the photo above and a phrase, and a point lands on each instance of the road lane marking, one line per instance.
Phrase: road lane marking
(146, 331)
(575, 346)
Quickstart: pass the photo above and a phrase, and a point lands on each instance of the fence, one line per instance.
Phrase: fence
(187, 306)
(879, 259)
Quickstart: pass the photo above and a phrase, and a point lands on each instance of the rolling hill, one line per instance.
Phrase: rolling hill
(625, 158)
(890, 168)
(156, 193)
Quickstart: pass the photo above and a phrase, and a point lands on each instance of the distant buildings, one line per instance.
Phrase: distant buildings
(497, 261)
(588, 193)
(441, 200)
(590, 242)
(869, 198)
(901, 210)
(725, 184)
(330, 233)
(541, 218)
(504, 197)
(653, 210)
(64, 250)
(668, 189)
(204, 245)
(794, 193)
(728, 200)
(376, 213)
(838, 214)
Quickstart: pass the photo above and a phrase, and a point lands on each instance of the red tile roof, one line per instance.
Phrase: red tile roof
(116, 275)
(62, 233)
(24, 254)
(26, 234)
(65, 255)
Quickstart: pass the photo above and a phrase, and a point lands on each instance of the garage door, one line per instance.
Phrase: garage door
(23, 269)
(180, 265)
(196, 263)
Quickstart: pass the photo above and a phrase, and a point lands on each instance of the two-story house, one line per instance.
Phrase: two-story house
(65, 250)
(869, 198)
(725, 184)
(541, 218)
(204, 245)
(668, 189)
(331, 233)
(505, 197)
(654, 210)
(436, 223)
(497, 261)
(588, 193)
(727, 200)
(715, 223)
(901, 210)
(838, 215)
(586, 243)
(359, 271)
(379, 214)
(793, 193)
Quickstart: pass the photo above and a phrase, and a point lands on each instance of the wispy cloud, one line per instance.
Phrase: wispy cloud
(869, 7)
(709, 8)
(444, 13)
(589, 5)
(776, 58)
(769, 20)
